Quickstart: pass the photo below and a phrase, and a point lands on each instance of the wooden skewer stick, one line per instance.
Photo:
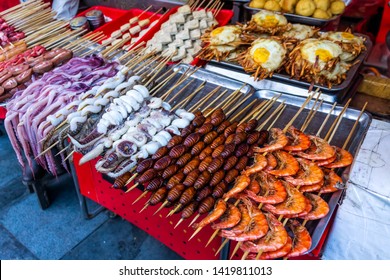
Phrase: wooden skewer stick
(238, 245)
(348, 138)
(312, 116)
(311, 110)
(326, 120)
(255, 111)
(194, 220)
(354, 126)
(132, 188)
(266, 107)
(238, 105)
(70, 154)
(188, 99)
(141, 196)
(144, 59)
(87, 44)
(180, 91)
(159, 68)
(336, 123)
(161, 207)
(271, 116)
(163, 76)
(222, 245)
(227, 103)
(277, 117)
(173, 211)
(205, 99)
(178, 223)
(297, 114)
(243, 111)
(245, 255)
(20, 6)
(175, 86)
(336, 120)
(218, 97)
(235, 94)
(144, 11)
(163, 83)
(48, 149)
(195, 233)
(145, 206)
(143, 62)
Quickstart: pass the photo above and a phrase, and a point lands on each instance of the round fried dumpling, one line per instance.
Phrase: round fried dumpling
(269, 21)
(224, 35)
(352, 45)
(324, 50)
(305, 8)
(267, 53)
(299, 32)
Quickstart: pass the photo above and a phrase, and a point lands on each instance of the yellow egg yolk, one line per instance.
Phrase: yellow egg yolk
(270, 21)
(261, 55)
(324, 55)
(217, 31)
(347, 35)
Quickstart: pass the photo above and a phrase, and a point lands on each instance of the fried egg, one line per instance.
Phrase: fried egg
(351, 44)
(224, 35)
(267, 19)
(267, 53)
(339, 69)
(299, 31)
(343, 37)
(325, 50)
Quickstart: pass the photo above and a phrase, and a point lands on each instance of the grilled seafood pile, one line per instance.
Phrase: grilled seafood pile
(16, 74)
(34, 113)
(286, 180)
(272, 45)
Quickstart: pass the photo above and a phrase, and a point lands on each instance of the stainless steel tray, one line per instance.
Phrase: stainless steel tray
(293, 18)
(316, 228)
(336, 89)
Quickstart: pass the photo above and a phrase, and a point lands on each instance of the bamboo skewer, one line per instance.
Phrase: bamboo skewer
(180, 91)
(255, 112)
(238, 105)
(243, 111)
(20, 6)
(223, 102)
(311, 110)
(185, 101)
(348, 138)
(312, 116)
(206, 98)
(297, 114)
(336, 123)
(354, 126)
(176, 85)
(326, 119)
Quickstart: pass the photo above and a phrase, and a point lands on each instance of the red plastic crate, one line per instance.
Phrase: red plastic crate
(111, 13)
(3, 112)
(95, 187)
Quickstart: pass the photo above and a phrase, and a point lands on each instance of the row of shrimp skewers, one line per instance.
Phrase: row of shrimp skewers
(260, 232)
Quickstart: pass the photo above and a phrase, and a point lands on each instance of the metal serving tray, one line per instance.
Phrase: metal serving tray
(293, 18)
(316, 228)
(336, 89)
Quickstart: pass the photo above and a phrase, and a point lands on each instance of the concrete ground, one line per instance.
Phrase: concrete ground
(60, 232)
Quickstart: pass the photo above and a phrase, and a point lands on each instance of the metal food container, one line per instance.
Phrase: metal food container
(293, 104)
(343, 87)
(79, 22)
